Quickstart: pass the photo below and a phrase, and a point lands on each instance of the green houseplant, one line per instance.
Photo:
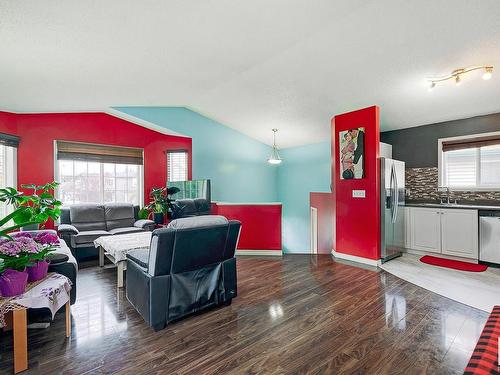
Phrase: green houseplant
(160, 203)
(37, 207)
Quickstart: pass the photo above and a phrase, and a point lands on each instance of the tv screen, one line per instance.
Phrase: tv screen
(191, 189)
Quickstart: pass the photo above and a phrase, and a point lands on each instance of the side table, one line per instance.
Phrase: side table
(51, 292)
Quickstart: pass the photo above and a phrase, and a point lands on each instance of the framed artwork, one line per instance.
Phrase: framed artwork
(352, 150)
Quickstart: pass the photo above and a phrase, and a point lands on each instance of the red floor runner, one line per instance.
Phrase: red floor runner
(455, 264)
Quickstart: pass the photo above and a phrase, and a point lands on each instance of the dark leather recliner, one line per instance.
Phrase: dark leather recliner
(190, 207)
(189, 267)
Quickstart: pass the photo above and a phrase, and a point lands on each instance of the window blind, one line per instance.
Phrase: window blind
(9, 140)
(475, 142)
(100, 153)
(177, 165)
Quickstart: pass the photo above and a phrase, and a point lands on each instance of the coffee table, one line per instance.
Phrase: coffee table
(116, 247)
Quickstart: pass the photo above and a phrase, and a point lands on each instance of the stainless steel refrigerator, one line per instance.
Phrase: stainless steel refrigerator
(392, 201)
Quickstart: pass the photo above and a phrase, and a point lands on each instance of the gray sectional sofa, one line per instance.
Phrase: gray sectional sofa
(81, 224)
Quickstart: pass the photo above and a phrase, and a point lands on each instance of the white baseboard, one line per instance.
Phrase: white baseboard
(356, 259)
(260, 252)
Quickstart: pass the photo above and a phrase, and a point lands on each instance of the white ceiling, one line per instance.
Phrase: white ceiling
(252, 65)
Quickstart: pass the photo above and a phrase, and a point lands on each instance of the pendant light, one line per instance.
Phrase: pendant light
(275, 156)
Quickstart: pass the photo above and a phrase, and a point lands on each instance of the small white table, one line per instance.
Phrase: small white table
(116, 247)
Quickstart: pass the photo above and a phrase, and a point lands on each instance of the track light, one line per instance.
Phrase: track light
(488, 73)
(457, 75)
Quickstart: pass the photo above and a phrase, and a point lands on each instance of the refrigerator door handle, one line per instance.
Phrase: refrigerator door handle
(392, 190)
(396, 195)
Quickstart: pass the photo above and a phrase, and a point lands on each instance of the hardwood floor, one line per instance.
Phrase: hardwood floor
(296, 315)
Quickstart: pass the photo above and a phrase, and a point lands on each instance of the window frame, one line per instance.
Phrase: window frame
(177, 151)
(442, 167)
(101, 191)
(10, 170)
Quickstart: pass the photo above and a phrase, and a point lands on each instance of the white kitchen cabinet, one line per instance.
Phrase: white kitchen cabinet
(446, 231)
(459, 233)
(425, 229)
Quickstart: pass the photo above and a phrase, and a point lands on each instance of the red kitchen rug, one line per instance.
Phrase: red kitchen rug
(454, 264)
(484, 359)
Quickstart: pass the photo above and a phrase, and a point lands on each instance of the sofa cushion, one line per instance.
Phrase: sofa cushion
(125, 230)
(88, 237)
(139, 256)
(198, 222)
(87, 217)
(119, 215)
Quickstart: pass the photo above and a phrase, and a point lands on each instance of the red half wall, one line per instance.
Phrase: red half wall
(358, 219)
(39, 131)
(260, 224)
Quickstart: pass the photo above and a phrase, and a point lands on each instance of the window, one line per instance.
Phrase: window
(86, 182)
(98, 174)
(471, 163)
(177, 165)
(8, 166)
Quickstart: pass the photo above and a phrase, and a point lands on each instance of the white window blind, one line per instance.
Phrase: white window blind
(177, 165)
(472, 167)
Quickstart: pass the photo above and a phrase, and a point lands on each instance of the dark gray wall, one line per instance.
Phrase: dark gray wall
(418, 146)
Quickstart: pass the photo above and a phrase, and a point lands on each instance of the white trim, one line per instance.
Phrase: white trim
(313, 230)
(356, 259)
(260, 252)
(145, 124)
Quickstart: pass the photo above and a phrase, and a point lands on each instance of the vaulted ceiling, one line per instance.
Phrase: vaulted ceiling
(252, 65)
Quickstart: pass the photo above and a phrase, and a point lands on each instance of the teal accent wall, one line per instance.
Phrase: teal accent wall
(304, 169)
(235, 163)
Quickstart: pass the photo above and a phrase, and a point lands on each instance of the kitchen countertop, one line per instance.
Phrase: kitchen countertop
(452, 205)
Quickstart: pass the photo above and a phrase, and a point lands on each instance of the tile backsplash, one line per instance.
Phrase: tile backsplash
(422, 183)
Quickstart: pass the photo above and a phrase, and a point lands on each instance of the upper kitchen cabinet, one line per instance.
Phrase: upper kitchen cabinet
(459, 233)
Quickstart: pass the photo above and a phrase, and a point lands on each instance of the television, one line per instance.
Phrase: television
(191, 189)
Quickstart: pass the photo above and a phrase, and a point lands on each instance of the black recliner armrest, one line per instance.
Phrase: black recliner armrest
(145, 224)
(67, 229)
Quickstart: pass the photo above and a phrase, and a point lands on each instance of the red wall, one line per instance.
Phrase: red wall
(324, 203)
(260, 224)
(38, 132)
(358, 219)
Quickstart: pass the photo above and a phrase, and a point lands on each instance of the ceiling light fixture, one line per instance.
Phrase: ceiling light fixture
(457, 75)
(275, 156)
(488, 73)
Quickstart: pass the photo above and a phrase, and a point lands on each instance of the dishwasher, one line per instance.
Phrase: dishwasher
(489, 236)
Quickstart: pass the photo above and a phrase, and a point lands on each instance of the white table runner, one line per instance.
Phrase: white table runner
(52, 292)
(118, 245)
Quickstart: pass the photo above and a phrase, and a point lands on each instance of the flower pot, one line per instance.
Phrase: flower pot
(13, 283)
(38, 271)
(158, 217)
(30, 227)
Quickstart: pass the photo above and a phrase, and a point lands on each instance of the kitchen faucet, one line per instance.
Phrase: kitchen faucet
(447, 194)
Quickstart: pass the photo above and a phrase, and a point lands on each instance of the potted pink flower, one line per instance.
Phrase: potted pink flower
(13, 275)
(37, 246)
